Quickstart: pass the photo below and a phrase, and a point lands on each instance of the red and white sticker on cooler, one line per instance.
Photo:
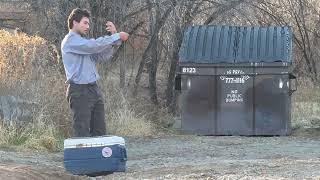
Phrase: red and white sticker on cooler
(106, 152)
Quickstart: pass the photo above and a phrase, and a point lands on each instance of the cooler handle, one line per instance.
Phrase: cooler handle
(124, 154)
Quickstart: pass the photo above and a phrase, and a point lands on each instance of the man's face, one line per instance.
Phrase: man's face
(82, 27)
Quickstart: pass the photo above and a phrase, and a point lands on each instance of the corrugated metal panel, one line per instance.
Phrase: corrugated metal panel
(230, 44)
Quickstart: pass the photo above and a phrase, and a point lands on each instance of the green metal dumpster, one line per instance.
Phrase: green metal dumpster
(236, 80)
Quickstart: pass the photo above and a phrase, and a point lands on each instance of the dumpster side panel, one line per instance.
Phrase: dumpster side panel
(198, 97)
(235, 101)
(272, 105)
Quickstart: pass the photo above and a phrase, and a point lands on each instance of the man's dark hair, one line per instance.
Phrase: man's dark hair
(76, 15)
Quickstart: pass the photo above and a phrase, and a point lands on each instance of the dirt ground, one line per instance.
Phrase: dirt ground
(189, 157)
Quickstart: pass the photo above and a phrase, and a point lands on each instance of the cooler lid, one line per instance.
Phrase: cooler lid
(85, 142)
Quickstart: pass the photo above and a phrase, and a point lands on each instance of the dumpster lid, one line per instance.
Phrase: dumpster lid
(235, 44)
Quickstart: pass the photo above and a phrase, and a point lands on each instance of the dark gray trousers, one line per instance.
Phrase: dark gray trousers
(87, 106)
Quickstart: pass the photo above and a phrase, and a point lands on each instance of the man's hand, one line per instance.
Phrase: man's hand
(124, 36)
(110, 27)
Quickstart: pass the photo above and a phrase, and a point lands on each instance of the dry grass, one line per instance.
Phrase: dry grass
(39, 135)
(29, 70)
(306, 105)
(129, 116)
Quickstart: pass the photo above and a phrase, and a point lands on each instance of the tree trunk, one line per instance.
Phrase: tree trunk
(170, 91)
(123, 59)
(153, 39)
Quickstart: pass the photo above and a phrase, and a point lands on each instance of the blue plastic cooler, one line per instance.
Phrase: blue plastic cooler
(95, 156)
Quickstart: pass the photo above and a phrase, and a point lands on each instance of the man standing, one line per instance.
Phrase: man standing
(80, 56)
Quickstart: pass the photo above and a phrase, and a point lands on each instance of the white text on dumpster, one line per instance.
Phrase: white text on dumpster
(234, 96)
